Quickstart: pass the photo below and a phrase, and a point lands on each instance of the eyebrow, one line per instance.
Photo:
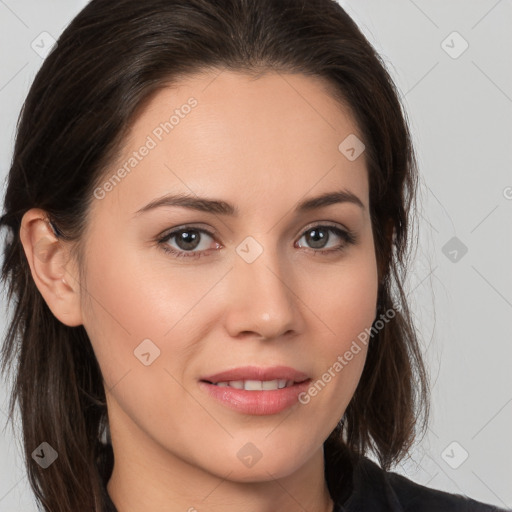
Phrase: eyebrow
(224, 208)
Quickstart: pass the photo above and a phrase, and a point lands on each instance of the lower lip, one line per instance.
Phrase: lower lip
(256, 402)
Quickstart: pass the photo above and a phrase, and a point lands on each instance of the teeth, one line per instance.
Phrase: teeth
(253, 385)
(270, 384)
(257, 385)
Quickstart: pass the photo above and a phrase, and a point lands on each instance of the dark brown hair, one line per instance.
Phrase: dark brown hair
(107, 64)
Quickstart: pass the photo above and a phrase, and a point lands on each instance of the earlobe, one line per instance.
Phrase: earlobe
(51, 268)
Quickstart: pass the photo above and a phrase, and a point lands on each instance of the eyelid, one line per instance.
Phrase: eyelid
(163, 239)
(348, 236)
(322, 223)
(208, 230)
(214, 233)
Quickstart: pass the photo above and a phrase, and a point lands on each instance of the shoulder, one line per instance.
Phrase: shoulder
(376, 489)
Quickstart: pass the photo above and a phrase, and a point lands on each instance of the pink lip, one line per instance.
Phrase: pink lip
(257, 373)
(256, 402)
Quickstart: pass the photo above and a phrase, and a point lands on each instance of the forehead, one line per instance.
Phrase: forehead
(227, 134)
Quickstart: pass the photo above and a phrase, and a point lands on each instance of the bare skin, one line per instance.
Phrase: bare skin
(263, 145)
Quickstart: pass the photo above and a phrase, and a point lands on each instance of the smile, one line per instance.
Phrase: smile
(257, 385)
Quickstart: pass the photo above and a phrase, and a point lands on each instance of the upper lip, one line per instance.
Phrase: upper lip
(257, 373)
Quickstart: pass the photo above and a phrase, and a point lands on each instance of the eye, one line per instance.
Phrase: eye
(188, 239)
(190, 242)
(317, 237)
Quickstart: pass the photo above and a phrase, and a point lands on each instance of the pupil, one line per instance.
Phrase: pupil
(187, 239)
(316, 238)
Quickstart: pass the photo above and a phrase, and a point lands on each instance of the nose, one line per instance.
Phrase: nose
(262, 300)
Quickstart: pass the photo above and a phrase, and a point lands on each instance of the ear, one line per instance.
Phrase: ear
(51, 267)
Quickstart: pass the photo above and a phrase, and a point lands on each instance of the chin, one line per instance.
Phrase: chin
(253, 464)
(261, 471)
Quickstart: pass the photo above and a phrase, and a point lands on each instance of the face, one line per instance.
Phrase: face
(177, 295)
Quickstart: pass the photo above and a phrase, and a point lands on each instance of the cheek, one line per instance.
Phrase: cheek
(131, 299)
(120, 312)
(354, 302)
(346, 307)
(345, 296)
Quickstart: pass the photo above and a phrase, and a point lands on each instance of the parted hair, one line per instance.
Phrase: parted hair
(107, 64)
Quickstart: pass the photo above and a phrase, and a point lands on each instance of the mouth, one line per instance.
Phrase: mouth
(257, 378)
(256, 390)
(256, 385)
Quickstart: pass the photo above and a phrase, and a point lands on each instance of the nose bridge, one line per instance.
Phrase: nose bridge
(264, 301)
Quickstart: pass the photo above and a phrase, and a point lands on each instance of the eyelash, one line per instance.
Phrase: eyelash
(348, 237)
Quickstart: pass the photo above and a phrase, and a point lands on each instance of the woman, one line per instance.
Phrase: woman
(208, 210)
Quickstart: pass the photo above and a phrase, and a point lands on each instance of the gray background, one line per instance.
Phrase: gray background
(460, 108)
